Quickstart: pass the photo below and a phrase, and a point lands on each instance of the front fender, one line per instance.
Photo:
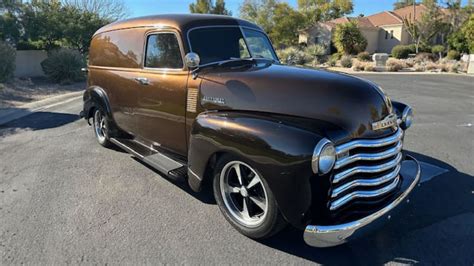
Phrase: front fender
(279, 151)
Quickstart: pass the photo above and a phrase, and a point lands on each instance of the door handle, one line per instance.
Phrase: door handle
(143, 81)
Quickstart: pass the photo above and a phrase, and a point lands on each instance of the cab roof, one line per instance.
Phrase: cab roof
(181, 22)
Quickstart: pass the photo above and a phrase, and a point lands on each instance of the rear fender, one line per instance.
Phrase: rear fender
(93, 98)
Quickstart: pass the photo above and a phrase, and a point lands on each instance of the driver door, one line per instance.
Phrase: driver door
(162, 94)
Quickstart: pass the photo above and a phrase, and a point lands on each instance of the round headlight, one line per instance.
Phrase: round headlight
(407, 118)
(324, 157)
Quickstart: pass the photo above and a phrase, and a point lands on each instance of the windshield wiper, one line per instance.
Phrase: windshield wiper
(222, 63)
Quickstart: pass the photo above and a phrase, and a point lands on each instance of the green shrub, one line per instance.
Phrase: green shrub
(364, 56)
(332, 61)
(7, 61)
(315, 51)
(424, 48)
(64, 66)
(439, 50)
(346, 61)
(348, 39)
(292, 56)
(336, 56)
(401, 51)
(453, 55)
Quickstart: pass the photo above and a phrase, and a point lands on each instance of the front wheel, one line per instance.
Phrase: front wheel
(245, 199)
(101, 128)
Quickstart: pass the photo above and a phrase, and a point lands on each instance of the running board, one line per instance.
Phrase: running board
(155, 159)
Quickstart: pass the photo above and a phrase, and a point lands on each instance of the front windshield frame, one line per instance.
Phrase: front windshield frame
(272, 48)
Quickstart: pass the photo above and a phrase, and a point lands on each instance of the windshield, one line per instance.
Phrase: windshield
(224, 43)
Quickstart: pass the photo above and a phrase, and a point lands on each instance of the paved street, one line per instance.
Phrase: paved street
(65, 199)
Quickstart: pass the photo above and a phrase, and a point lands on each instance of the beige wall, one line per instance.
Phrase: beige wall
(320, 32)
(372, 37)
(28, 63)
(386, 45)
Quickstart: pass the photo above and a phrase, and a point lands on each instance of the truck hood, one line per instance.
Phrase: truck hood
(348, 103)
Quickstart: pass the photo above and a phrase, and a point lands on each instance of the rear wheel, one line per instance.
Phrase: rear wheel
(245, 199)
(101, 127)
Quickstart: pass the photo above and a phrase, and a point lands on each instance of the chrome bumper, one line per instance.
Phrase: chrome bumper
(333, 235)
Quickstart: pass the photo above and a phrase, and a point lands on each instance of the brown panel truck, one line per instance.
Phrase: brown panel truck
(205, 98)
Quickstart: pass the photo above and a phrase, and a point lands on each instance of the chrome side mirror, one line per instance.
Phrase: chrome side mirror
(192, 60)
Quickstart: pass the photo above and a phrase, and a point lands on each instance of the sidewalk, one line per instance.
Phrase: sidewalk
(12, 113)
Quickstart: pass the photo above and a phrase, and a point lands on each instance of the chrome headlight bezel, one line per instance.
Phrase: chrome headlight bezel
(407, 118)
(324, 157)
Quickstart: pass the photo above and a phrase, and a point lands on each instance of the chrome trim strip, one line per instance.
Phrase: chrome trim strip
(367, 169)
(366, 182)
(369, 156)
(370, 143)
(364, 194)
(333, 235)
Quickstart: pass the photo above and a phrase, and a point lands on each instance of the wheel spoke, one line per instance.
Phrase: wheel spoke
(260, 203)
(255, 180)
(239, 174)
(245, 210)
(233, 189)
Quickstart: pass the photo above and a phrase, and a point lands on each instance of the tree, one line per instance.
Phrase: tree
(208, 7)
(286, 21)
(219, 8)
(110, 10)
(402, 3)
(260, 12)
(52, 24)
(324, 10)
(348, 39)
(468, 31)
(425, 28)
(81, 27)
(278, 19)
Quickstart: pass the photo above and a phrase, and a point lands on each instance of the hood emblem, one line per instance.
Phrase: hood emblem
(214, 100)
(388, 121)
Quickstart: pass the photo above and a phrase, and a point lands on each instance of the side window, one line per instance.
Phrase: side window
(162, 51)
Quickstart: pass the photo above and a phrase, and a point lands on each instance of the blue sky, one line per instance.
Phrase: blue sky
(150, 7)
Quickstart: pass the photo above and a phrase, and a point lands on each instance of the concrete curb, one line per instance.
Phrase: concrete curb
(9, 114)
(350, 71)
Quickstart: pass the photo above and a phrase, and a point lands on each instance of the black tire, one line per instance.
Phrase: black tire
(269, 223)
(101, 127)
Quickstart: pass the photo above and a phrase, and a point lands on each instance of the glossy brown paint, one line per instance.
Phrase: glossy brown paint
(272, 116)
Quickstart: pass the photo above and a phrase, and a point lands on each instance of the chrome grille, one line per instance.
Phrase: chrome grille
(366, 169)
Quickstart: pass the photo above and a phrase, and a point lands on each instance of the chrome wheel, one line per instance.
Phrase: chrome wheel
(243, 194)
(100, 126)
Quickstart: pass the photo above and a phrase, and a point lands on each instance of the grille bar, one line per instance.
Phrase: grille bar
(364, 194)
(369, 156)
(375, 143)
(367, 169)
(366, 182)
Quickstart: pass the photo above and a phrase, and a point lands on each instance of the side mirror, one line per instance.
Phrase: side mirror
(192, 60)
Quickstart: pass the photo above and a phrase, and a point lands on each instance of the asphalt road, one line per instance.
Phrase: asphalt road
(65, 199)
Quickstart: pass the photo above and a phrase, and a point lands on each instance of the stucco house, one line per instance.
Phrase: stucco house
(382, 31)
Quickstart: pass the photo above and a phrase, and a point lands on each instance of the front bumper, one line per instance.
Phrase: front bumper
(333, 235)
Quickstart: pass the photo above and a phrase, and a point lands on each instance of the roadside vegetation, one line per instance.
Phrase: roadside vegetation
(70, 24)
(54, 25)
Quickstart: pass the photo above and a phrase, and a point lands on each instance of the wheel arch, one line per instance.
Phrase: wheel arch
(94, 97)
(281, 152)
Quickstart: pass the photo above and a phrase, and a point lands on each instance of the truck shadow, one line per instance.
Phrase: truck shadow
(37, 121)
(435, 227)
